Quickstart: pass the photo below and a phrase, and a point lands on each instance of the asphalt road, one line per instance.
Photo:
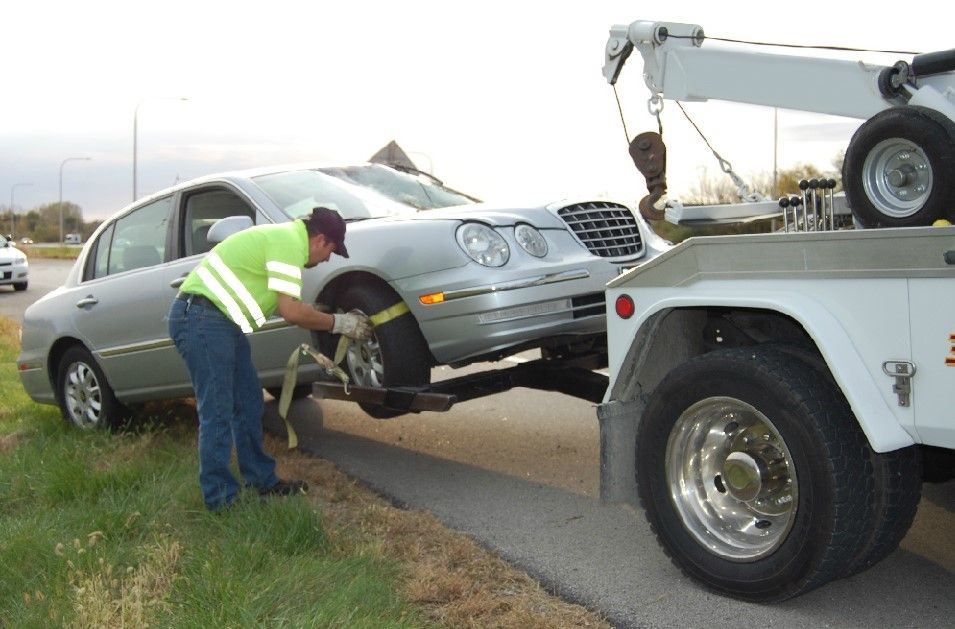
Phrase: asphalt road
(519, 472)
(45, 275)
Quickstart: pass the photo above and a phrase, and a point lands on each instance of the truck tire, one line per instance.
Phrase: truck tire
(897, 481)
(748, 473)
(86, 400)
(896, 171)
(395, 355)
(898, 490)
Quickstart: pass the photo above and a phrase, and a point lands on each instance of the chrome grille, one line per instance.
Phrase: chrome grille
(608, 230)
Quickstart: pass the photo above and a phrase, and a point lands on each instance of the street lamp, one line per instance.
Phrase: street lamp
(61, 189)
(135, 135)
(13, 213)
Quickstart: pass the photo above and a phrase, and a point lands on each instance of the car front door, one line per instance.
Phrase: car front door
(198, 210)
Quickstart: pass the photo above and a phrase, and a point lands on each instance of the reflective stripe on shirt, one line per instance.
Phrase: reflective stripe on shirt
(237, 287)
(235, 313)
(284, 269)
(284, 286)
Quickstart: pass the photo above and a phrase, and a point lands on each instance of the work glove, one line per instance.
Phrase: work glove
(354, 325)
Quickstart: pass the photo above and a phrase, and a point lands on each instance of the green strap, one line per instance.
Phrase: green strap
(291, 376)
(331, 367)
(379, 319)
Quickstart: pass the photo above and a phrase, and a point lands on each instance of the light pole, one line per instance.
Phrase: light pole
(61, 189)
(13, 212)
(136, 133)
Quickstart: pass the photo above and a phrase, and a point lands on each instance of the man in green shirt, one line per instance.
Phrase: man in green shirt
(230, 294)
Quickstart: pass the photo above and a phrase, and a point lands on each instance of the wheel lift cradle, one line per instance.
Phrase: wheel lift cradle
(571, 376)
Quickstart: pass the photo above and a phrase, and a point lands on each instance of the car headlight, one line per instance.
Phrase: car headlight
(19, 259)
(530, 240)
(482, 244)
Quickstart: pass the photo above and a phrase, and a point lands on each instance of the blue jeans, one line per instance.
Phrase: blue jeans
(228, 398)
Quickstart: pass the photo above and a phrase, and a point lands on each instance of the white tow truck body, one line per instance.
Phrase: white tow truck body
(776, 400)
(870, 301)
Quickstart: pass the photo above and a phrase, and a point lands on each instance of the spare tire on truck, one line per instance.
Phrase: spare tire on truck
(899, 169)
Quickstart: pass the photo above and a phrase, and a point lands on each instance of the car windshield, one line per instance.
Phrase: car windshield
(296, 192)
(418, 190)
(3, 241)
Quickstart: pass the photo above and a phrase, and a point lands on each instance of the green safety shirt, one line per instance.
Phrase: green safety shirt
(244, 273)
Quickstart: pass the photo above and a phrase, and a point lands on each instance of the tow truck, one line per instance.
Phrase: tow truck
(776, 400)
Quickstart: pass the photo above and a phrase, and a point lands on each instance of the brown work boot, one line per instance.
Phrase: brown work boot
(285, 488)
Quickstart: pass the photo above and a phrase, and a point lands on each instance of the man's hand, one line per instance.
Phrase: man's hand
(353, 325)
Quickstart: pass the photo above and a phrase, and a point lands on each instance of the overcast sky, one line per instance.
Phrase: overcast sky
(503, 100)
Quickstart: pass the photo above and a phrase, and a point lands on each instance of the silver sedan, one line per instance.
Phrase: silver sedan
(450, 281)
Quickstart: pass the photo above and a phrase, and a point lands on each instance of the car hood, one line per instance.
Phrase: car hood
(497, 215)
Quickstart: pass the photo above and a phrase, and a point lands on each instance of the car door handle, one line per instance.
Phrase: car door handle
(950, 256)
(89, 300)
(176, 283)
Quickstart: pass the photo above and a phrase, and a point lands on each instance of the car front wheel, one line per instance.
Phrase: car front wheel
(85, 397)
(753, 474)
(20, 286)
(395, 355)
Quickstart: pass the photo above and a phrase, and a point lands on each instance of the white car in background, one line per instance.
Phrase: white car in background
(14, 268)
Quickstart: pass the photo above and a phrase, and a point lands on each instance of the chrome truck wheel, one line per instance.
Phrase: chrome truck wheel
(732, 478)
(753, 474)
(896, 167)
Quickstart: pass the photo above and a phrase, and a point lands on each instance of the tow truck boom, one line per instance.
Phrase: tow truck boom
(677, 67)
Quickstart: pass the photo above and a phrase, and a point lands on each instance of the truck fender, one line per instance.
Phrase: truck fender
(652, 354)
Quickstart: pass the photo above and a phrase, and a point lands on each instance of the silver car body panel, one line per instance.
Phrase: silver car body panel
(121, 318)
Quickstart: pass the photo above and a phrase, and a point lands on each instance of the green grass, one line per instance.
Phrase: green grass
(110, 530)
(62, 252)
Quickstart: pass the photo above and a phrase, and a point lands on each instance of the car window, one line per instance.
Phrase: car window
(97, 262)
(417, 190)
(204, 208)
(297, 192)
(139, 238)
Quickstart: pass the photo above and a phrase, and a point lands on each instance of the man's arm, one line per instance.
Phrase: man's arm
(353, 325)
(299, 313)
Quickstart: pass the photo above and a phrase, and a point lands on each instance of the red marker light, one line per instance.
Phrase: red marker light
(625, 307)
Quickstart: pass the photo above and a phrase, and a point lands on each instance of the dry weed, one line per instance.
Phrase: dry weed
(456, 582)
(133, 597)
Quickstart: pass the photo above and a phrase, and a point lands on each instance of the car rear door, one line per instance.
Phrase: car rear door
(120, 307)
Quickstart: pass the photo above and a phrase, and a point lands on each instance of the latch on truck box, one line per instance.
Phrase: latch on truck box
(902, 371)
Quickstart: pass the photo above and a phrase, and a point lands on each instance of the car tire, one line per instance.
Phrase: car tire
(300, 391)
(748, 473)
(86, 400)
(896, 168)
(395, 355)
(20, 286)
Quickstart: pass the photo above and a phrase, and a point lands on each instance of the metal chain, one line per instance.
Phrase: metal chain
(742, 189)
(620, 109)
(655, 106)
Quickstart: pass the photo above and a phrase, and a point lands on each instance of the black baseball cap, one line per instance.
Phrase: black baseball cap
(329, 223)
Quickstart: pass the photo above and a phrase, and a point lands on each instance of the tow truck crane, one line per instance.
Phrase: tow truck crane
(776, 400)
(897, 165)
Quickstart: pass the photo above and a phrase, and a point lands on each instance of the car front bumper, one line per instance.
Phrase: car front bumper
(480, 318)
(14, 273)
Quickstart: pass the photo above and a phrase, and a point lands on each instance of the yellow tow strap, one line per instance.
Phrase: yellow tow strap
(291, 375)
(381, 318)
(331, 367)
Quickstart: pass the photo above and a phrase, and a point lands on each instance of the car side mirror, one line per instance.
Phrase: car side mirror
(225, 227)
